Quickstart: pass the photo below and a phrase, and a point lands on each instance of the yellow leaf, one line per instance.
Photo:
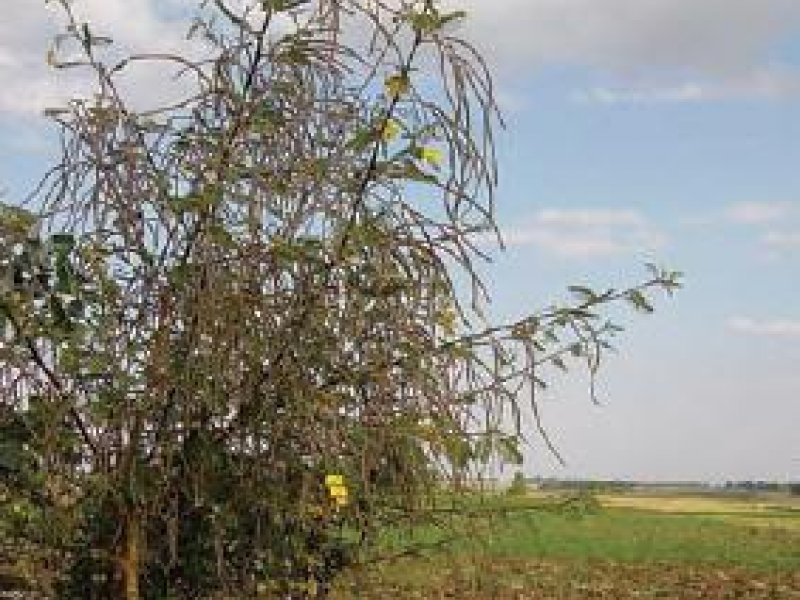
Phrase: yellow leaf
(432, 156)
(396, 85)
(390, 130)
(447, 319)
(341, 501)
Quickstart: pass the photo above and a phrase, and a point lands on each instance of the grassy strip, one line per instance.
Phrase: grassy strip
(539, 551)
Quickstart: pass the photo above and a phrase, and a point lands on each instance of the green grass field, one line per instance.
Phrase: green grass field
(630, 548)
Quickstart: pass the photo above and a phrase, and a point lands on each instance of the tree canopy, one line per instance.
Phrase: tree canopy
(244, 331)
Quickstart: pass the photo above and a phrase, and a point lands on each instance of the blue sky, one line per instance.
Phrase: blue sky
(664, 130)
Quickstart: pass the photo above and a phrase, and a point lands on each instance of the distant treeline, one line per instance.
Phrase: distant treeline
(694, 486)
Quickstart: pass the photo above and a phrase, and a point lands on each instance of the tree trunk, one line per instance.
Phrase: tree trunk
(130, 557)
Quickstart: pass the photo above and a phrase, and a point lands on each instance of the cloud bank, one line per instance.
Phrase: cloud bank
(656, 51)
(27, 30)
(763, 84)
(767, 328)
(777, 224)
(759, 213)
(653, 51)
(712, 36)
(782, 240)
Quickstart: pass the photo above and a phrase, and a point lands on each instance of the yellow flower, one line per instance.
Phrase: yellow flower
(334, 479)
(336, 488)
(338, 491)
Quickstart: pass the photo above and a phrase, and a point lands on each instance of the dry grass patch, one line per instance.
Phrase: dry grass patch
(693, 504)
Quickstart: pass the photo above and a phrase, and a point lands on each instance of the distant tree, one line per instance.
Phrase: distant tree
(231, 331)
(518, 486)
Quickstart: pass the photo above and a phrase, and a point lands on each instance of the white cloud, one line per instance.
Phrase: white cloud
(586, 233)
(27, 84)
(782, 240)
(777, 225)
(767, 84)
(758, 213)
(687, 92)
(717, 48)
(772, 328)
(590, 217)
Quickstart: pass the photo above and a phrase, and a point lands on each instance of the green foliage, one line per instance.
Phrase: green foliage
(518, 486)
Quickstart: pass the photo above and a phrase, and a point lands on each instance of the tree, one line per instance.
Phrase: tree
(518, 485)
(234, 349)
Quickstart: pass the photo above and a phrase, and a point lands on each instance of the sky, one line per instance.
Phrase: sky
(636, 131)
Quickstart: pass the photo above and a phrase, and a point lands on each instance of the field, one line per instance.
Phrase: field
(631, 546)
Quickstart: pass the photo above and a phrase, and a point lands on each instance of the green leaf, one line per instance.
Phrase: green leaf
(362, 139)
(412, 172)
(282, 5)
(431, 20)
(639, 301)
(65, 279)
(423, 22)
(197, 201)
(455, 15)
(64, 241)
(15, 220)
(584, 294)
(396, 85)
(508, 449)
(221, 236)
